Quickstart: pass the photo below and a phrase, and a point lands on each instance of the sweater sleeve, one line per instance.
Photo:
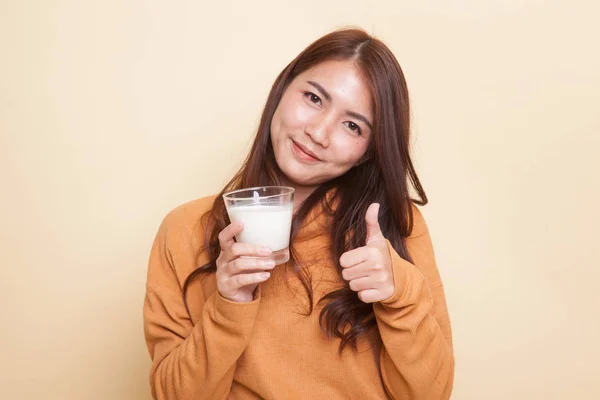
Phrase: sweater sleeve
(417, 359)
(190, 360)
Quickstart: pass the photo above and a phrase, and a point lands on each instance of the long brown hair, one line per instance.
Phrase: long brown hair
(384, 176)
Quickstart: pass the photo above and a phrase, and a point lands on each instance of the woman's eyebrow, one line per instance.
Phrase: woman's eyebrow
(321, 89)
(361, 117)
(327, 96)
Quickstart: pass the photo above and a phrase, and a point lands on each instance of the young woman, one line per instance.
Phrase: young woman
(359, 310)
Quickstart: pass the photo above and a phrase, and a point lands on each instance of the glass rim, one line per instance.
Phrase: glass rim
(288, 190)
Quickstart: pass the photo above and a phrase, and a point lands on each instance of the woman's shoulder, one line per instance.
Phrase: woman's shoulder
(419, 226)
(175, 249)
(190, 210)
(181, 235)
(183, 221)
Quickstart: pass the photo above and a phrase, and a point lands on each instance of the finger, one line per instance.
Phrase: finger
(358, 271)
(227, 235)
(369, 296)
(243, 265)
(364, 283)
(249, 250)
(241, 280)
(237, 250)
(372, 219)
(354, 257)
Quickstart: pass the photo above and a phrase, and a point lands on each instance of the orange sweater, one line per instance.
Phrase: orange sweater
(268, 349)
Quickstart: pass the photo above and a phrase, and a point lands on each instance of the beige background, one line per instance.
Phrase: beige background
(114, 112)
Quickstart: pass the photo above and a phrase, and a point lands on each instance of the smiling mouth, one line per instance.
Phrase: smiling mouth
(303, 153)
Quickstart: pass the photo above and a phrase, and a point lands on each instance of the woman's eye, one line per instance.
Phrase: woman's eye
(354, 127)
(313, 97)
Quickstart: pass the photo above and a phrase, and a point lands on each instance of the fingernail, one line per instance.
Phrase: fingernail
(269, 263)
(265, 251)
(265, 275)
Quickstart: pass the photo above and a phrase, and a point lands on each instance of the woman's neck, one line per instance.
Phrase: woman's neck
(301, 192)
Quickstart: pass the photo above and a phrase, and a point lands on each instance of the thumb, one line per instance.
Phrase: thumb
(373, 230)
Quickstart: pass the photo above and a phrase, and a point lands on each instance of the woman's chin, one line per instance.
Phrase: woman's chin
(297, 174)
(297, 179)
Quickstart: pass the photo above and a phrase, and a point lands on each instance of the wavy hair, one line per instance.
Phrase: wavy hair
(384, 177)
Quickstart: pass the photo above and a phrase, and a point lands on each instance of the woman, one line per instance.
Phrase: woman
(359, 310)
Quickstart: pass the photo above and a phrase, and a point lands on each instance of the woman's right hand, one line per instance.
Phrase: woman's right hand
(238, 277)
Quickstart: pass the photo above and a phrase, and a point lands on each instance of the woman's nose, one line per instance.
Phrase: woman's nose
(320, 129)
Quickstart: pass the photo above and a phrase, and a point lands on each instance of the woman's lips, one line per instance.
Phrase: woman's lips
(302, 153)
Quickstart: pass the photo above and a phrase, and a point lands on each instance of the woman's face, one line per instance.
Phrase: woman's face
(322, 125)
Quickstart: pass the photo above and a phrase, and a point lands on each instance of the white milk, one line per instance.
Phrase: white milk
(265, 225)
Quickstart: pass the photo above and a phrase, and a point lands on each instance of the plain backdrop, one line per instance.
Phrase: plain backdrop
(112, 113)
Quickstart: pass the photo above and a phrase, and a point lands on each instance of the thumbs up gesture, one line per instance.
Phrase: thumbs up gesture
(369, 268)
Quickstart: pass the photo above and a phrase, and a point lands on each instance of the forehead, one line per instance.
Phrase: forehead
(344, 81)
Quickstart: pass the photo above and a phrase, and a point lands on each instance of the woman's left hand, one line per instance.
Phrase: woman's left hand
(369, 268)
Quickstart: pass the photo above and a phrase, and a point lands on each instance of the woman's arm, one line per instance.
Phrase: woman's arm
(190, 361)
(417, 359)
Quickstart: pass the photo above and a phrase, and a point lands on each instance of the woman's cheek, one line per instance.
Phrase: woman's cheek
(302, 113)
(349, 151)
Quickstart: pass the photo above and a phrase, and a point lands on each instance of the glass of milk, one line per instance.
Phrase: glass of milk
(266, 213)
